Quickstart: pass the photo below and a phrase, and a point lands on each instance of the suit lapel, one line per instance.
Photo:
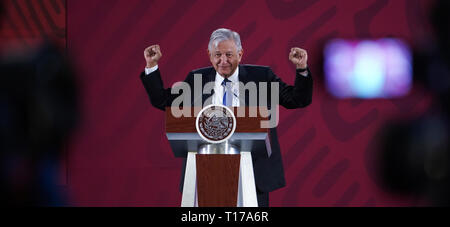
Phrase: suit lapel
(210, 77)
(244, 78)
(243, 74)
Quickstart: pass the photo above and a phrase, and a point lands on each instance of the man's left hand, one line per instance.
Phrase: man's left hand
(299, 57)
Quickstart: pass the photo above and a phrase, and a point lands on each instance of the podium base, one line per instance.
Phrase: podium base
(245, 189)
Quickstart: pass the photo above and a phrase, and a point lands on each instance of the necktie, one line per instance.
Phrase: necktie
(228, 93)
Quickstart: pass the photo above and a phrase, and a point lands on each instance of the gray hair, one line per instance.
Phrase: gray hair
(223, 34)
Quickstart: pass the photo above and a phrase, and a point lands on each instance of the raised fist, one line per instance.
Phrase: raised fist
(299, 57)
(152, 55)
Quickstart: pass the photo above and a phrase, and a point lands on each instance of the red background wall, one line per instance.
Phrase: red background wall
(119, 155)
(25, 22)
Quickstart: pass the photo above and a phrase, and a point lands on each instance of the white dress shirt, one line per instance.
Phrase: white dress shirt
(150, 70)
(217, 98)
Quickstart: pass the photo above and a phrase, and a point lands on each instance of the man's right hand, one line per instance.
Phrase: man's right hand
(152, 55)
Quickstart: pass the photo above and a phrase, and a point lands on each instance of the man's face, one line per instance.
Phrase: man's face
(225, 58)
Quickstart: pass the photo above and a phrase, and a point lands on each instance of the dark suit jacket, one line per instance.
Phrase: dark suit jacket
(269, 173)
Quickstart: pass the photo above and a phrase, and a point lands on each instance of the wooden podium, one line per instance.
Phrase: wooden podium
(219, 175)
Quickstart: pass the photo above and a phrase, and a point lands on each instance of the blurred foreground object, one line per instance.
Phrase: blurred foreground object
(38, 110)
(370, 68)
(415, 154)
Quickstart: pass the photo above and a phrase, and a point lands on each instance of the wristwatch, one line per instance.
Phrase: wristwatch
(302, 70)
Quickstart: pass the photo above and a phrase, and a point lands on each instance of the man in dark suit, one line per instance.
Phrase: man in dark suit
(225, 53)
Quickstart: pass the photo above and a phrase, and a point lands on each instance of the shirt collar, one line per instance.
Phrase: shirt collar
(234, 78)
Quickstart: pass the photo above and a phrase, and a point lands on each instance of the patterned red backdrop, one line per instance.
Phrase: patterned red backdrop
(120, 156)
(27, 21)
